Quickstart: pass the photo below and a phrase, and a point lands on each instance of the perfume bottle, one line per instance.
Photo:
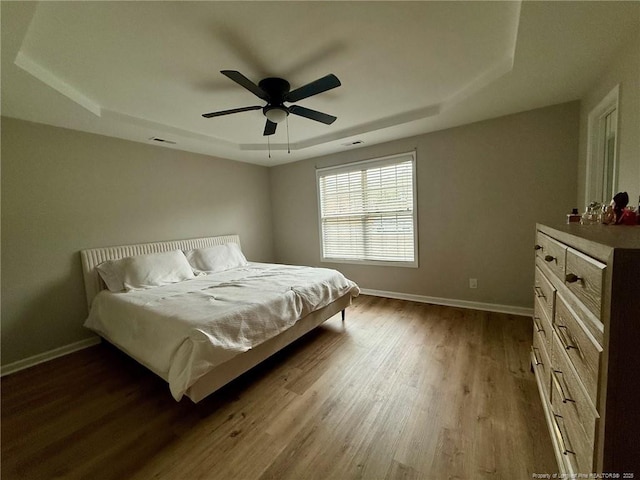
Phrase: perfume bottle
(574, 216)
(592, 214)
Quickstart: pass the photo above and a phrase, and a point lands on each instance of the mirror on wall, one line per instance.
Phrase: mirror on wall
(602, 158)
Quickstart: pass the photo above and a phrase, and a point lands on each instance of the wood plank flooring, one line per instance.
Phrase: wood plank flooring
(400, 391)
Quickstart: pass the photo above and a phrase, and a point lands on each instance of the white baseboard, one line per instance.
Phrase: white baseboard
(487, 307)
(46, 356)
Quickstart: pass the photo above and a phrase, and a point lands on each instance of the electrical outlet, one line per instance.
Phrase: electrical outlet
(473, 283)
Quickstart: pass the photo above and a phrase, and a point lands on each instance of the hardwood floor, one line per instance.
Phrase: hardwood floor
(401, 391)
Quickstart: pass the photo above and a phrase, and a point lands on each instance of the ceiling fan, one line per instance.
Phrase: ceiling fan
(275, 91)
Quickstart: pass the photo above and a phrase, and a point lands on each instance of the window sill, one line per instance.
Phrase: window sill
(377, 263)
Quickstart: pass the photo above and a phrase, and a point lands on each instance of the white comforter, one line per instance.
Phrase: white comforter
(182, 331)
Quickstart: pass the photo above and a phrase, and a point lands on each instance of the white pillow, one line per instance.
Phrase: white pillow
(145, 271)
(217, 258)
(111, 273)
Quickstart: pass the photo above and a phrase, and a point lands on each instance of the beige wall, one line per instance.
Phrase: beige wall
(64, 190)
(481, 189)
(625, 71)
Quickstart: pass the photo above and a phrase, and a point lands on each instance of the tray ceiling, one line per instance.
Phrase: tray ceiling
(138, 70)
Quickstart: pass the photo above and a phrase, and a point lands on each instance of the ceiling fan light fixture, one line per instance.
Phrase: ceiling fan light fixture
(276, 114)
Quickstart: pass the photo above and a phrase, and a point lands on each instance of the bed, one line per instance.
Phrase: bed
(200, 329)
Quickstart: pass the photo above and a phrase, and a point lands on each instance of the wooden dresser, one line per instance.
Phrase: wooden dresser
(586, 346)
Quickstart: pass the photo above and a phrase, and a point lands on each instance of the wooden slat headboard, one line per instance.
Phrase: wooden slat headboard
(94, 256)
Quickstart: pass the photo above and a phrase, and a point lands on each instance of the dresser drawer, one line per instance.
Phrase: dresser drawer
(541, 362)
(580, 348)
(545, 293)
(583, 276)
(563, 439)
(569, 402)
(552, 253)
(542, 323)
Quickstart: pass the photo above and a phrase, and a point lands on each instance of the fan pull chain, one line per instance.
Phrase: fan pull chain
(288, 147)
(269, 146)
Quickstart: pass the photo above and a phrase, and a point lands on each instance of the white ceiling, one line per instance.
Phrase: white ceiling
(137, 70)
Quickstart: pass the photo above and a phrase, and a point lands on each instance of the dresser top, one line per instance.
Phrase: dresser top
(595, 240)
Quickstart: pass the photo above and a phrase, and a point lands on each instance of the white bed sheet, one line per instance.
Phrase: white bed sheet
(183, 330)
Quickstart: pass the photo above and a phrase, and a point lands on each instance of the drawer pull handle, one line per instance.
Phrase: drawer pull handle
(538, 247)
(563, 445)
(535, 357)
(556, 381)
(539, 293)
(549, 258)
(567, 343)
(571, 278)
(537, 325)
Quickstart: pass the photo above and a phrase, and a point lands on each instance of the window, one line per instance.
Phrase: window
(602, 167)
(368, 212)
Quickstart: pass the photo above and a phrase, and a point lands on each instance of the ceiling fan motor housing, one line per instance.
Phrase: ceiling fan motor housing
(275, 88)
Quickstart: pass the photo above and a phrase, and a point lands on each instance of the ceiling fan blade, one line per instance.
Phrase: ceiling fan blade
(246, 83)
(228, 112)
(270, 128)
(312, 114)
(321, 85)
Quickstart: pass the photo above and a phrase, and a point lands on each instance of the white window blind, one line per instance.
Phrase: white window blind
(367, 211)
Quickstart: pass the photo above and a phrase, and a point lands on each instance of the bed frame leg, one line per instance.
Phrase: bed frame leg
(344, 314)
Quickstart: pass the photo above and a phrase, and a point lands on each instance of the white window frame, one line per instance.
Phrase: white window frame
(362, 165)
(594, 190)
